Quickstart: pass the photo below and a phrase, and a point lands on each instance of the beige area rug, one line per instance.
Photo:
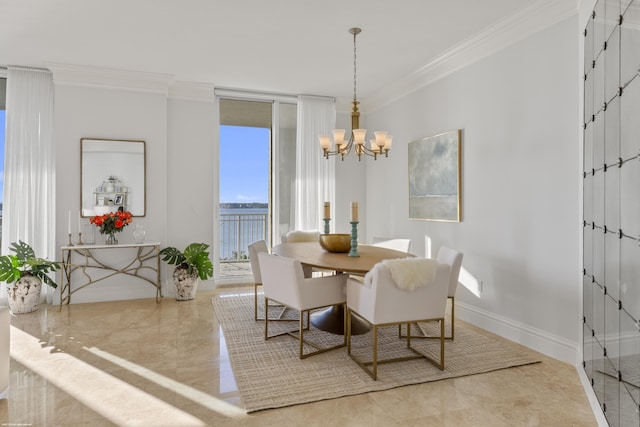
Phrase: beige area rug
(269, 374)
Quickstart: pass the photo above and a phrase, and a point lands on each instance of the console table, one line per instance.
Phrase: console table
(85, 260)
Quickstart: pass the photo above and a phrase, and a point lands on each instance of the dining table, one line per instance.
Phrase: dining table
(313, 255)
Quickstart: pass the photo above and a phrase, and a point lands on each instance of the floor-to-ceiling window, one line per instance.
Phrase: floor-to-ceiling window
(3, 93)
(256, 179)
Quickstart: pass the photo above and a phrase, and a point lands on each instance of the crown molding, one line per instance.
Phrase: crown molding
(77, 75)
(528, 21)
(192, 91)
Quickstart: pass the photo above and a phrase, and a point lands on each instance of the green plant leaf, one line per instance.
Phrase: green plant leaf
(22, 250)
(204, 265)
(172, 256)
(46, 279)
(8, 268)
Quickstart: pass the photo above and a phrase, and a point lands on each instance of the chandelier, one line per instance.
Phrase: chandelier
(379, 145)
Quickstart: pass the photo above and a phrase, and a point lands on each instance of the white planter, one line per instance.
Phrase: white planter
(24, 295)
(186, 284)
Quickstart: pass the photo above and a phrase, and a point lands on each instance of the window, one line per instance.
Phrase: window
(3, 93)
(256, 176)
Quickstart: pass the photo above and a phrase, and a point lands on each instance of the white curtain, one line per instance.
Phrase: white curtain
(315, 175)
(29, 166)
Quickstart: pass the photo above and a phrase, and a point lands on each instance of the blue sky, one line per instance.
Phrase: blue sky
(244, 164)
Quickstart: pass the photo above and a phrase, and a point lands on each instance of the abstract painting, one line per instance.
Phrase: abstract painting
(434, 177)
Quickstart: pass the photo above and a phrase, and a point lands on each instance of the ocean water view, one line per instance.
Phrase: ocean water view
(239, 227)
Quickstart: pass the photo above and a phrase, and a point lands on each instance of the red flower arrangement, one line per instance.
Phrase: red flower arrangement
(112, 222)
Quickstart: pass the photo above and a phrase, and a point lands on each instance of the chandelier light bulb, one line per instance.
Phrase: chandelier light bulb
(325, 142)
(387, 142)
(359, 136)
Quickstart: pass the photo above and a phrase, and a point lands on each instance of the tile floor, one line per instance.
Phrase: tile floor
(138, 363)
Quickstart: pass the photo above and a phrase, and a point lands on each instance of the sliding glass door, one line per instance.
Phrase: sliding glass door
(255, 179)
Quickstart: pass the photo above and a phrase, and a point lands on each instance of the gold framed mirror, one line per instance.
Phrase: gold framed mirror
(113, 176)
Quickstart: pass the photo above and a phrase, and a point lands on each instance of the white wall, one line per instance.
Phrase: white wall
(517, 110)
(110, 113)
(190, 174)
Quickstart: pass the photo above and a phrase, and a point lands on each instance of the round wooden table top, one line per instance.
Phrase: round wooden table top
(311, 253)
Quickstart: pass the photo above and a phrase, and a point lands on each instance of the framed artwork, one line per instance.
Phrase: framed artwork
(434, 177)
(119, 199)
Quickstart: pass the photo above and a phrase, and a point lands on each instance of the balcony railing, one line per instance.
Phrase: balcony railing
(237, 232)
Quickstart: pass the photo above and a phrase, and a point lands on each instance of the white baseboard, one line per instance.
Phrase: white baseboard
(536, 339)
(591, 396)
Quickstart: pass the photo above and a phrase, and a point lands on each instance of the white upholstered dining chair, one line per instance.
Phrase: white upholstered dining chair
(397, 292)
(295, 236)
(283, 282)
(402, 245)
(301, 236)
(254, 249)
(453, 259)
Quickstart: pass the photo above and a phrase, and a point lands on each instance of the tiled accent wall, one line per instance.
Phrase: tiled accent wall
(611, 208)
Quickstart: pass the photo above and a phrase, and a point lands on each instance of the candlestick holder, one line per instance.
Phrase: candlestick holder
(326, 225)
(70, 243)
(354, 239)
(80, 239)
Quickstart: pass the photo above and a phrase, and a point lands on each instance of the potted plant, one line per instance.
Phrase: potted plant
(191, 265)
(27, 272)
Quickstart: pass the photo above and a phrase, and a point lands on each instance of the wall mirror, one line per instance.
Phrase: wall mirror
(112, 176)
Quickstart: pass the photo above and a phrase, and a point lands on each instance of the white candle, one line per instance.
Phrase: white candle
(69, 223)
(327, 209)
(79, 223)
(354, 211)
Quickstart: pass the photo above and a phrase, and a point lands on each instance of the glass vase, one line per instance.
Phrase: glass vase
(139, 233)
(111, 240)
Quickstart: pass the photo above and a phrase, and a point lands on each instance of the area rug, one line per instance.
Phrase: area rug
(269, 374)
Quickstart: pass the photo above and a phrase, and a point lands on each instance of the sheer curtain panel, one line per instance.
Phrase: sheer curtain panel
(29, 166)
(315, 176)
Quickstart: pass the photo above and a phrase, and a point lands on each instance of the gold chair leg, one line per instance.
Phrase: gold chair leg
(347, 329)
(301, 333)
(344, 319)
(375, 352)
(442, 343)
(266, 318)
(255, 308)
(255, 301)
(453, 317)
(371, 367)
(453, 309)
(301, 339)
